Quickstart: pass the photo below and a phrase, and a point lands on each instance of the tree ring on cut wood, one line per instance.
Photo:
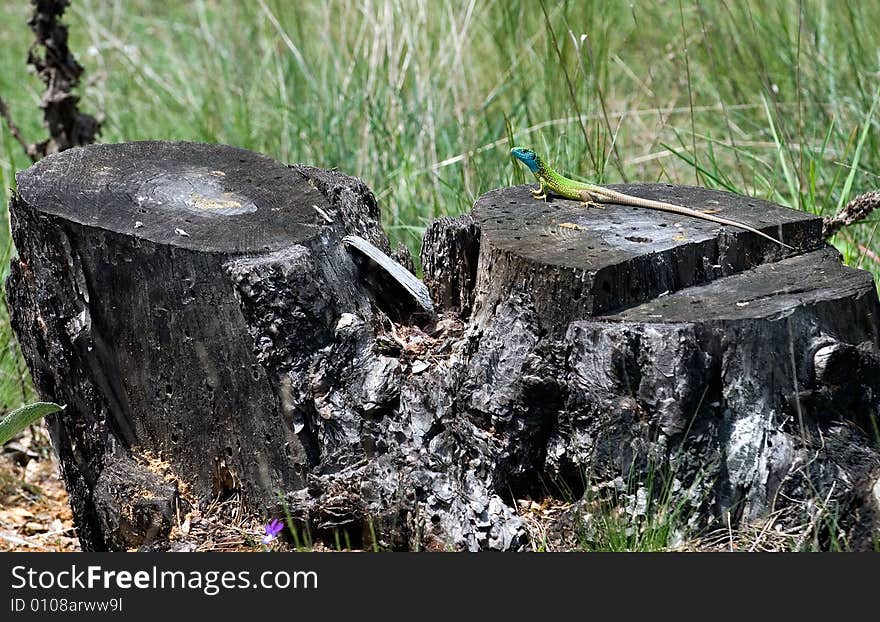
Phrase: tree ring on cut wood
(197, 191)
(173, 193)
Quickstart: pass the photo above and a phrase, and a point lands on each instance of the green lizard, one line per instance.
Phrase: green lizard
(551, 181)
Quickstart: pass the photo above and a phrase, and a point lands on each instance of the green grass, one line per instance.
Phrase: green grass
(772, 99)
(422, 99)
(644, 519)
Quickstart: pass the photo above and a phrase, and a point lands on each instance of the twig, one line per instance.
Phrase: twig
(729, 531)
(866, 252)
(765, 528)
(14, 539)
(869, 253)
(16, 133)
(865, 249)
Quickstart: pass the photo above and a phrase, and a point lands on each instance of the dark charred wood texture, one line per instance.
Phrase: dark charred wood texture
(449, 262)
(137, 294)
(195, 304)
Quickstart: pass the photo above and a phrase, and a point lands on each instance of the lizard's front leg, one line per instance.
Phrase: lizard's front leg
(539, 192)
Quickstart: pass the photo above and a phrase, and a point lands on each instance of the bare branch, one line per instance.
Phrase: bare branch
(60, 72)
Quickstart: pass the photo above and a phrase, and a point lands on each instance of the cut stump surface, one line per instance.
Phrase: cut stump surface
(600, 259)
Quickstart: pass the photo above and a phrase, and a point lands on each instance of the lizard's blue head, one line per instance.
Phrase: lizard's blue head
(527, 157)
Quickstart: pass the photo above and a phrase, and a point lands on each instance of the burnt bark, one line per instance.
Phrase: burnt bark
(133, 295)
(669, 358)
(195, 304)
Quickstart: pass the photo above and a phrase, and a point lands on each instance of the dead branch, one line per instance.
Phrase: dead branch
(61, 73)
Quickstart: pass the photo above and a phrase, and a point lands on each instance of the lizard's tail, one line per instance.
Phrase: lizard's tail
(617, 197)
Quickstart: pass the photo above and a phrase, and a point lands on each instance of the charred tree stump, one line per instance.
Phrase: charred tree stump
(157, 289)
(196, 308)
(656, 355)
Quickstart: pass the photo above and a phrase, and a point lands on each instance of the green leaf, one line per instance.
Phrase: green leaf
(20, 418)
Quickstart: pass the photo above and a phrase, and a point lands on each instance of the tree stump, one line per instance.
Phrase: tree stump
(212, 336)
(173, 296)
(660, 355)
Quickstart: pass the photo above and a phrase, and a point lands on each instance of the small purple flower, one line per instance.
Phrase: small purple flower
(274, 527)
